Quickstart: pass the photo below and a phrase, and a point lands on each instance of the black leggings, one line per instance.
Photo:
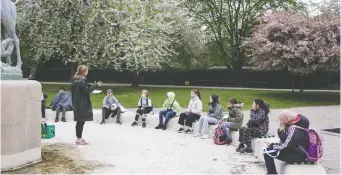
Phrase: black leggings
(79, 129)
(141, 112)
(190, 118)
(43, 110)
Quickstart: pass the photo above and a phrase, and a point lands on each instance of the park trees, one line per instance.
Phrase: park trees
(133, 35)
(327, 7)
(229, 22)
(297, 43)
(51, 29)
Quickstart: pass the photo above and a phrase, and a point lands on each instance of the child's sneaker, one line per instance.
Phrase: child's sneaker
(134, 123)
(159, 126)
(240, 147)
(188, 131)
(205, 136)
(63, 119)
(118, 122)
(81, 142)
(248, 149)
(180, 130)
(197, 135)
(56, 120)
(144, 125)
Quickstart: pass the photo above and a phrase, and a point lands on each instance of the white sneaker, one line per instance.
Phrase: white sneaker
(205, 136)
(197, 135)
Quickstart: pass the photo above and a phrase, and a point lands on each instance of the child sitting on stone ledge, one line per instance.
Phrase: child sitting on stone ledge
(144, 107)
(111, 106)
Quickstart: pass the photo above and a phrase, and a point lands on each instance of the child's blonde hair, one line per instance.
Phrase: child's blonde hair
(145, 92)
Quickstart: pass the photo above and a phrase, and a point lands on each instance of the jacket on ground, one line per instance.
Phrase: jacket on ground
(82, 107)
(171, 100)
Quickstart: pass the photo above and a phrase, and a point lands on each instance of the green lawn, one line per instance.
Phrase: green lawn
(129, 96)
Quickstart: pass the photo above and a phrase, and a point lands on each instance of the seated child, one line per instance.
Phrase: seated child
(235, 119)
(144, 107)
(214, 115)
(293, 141)
(43, 104)
(172, 107)
(193, 112)
(257, 126)
(61, 102)
(111, 106)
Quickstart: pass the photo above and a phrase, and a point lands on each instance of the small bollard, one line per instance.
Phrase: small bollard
(186, 83)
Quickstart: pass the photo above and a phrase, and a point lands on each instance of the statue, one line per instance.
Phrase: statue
(8, 22)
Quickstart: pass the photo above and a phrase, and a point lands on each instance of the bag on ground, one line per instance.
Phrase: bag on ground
(219, 136)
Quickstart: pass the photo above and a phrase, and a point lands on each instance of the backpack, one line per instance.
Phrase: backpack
(219, 135)
(315, 145)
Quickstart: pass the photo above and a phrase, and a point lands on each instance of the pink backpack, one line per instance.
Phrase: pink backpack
(315, 145)
(219, 136)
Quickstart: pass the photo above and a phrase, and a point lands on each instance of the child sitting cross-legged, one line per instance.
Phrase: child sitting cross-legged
(144, 107)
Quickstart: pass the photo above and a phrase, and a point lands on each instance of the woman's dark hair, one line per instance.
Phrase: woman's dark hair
(215, 99)
(197, 92)
(62, 88)
(263, 105)
(232, 101)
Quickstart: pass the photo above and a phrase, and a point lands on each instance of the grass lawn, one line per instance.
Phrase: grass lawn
(129, 96)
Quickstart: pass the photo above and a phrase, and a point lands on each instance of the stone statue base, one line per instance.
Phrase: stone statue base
(20, 123)
(10, 72)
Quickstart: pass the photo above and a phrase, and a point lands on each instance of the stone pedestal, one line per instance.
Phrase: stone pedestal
(10, 72)
(20, 123)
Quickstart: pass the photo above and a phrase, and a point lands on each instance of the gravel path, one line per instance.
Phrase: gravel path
(137, 150)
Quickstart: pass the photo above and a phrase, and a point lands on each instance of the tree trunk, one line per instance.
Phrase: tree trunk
(33, 72)
(136, 80)
(293, 83)
(302, 86)
(73, 69)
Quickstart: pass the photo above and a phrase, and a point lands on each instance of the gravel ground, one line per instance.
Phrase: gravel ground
(137, 150)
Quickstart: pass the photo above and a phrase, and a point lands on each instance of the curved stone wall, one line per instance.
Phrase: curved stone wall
(20, 123)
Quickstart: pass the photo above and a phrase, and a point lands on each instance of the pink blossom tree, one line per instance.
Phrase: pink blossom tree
(296, 43)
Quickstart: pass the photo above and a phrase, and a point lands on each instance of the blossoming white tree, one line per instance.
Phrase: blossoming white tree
(130, 35)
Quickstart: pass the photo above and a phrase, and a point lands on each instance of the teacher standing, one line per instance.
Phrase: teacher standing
(82, 108)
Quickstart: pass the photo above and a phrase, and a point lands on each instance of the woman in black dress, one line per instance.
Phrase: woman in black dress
(82, 108)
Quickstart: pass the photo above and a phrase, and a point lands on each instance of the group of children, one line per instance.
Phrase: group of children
(292, 145)
(292, 141)
(257, 126)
